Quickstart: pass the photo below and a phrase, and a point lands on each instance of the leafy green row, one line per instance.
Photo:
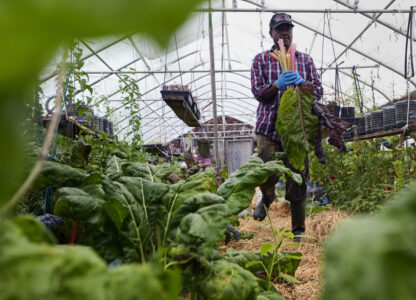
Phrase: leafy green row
(37, 269)
(133, 215)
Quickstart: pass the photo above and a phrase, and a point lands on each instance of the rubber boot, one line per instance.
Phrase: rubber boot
(260, 212)
(298, 218)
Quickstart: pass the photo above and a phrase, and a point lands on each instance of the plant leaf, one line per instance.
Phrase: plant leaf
(266, 248)
(289, 278)
(116, 211)
(289, 126)
(253, 263)
(240, 186)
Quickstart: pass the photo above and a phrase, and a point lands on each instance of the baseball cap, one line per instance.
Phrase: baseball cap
(279, 19)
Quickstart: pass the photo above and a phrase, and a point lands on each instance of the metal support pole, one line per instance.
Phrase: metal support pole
(318, 11)
(214, 93)
(209, 71)
(398, 30)
(352, 49)
(167, 71)
(144, 60)
(359, 35)
(88, 56)
(341, 43)
(100, 58)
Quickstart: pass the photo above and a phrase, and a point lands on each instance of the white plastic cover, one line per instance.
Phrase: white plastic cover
(238, 37)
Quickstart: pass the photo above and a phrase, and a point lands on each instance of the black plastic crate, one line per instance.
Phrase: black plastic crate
(377, 120)
(367, 120)
(347, 112)
(403, 110)
(389, 117)
(336, 111)
(360, 124)
(105, 125)
(100, 123)
(110, 128)
(348, 134)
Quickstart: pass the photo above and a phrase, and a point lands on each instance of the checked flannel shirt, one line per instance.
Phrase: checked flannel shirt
(265, 70)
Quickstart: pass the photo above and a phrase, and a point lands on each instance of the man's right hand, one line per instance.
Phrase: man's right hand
(286, 78)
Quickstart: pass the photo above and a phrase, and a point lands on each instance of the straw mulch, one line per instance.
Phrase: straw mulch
(309, 271)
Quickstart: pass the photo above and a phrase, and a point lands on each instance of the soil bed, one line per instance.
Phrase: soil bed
(309, 271)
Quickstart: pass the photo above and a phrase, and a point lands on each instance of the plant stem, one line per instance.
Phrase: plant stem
(272, 263)
(300, 115)
(138, 234)
(145, 210)
(47, 143)
(169, 216)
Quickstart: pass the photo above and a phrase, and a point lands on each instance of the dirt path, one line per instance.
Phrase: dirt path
(309, 270)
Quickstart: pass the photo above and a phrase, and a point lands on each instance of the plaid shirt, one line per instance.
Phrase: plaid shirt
(264, 72)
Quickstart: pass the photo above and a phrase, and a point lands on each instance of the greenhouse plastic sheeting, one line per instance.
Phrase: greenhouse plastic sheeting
(238, 37)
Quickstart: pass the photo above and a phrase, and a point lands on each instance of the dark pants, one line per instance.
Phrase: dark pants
(295, 194)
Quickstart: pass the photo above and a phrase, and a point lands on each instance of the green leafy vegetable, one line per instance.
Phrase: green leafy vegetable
(374, 257)
(288, 261)
(156, 173)
(240, 186)
(270, 296)
(297, 126)
(226, 280)
(34, 230)
(76, 204)
(40, 270)
(60, 175)
(133, 217)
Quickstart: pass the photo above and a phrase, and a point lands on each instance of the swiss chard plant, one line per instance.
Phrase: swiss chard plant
(38, 268)
(297, 126)
(132, 214)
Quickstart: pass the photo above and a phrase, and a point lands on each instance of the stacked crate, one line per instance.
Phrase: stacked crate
(367, 120)
(389, 118)
(401, 113)
(376, 120)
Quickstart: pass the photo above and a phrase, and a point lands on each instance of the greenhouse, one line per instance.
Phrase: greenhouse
(221, 149)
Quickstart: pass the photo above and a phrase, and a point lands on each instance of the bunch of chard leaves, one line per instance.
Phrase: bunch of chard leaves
(299, 122)
(297, 126)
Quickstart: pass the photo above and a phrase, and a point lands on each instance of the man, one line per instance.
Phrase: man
(268, 84)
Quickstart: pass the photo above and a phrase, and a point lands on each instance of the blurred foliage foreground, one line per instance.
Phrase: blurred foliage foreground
(374, 257)
(33, 32)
